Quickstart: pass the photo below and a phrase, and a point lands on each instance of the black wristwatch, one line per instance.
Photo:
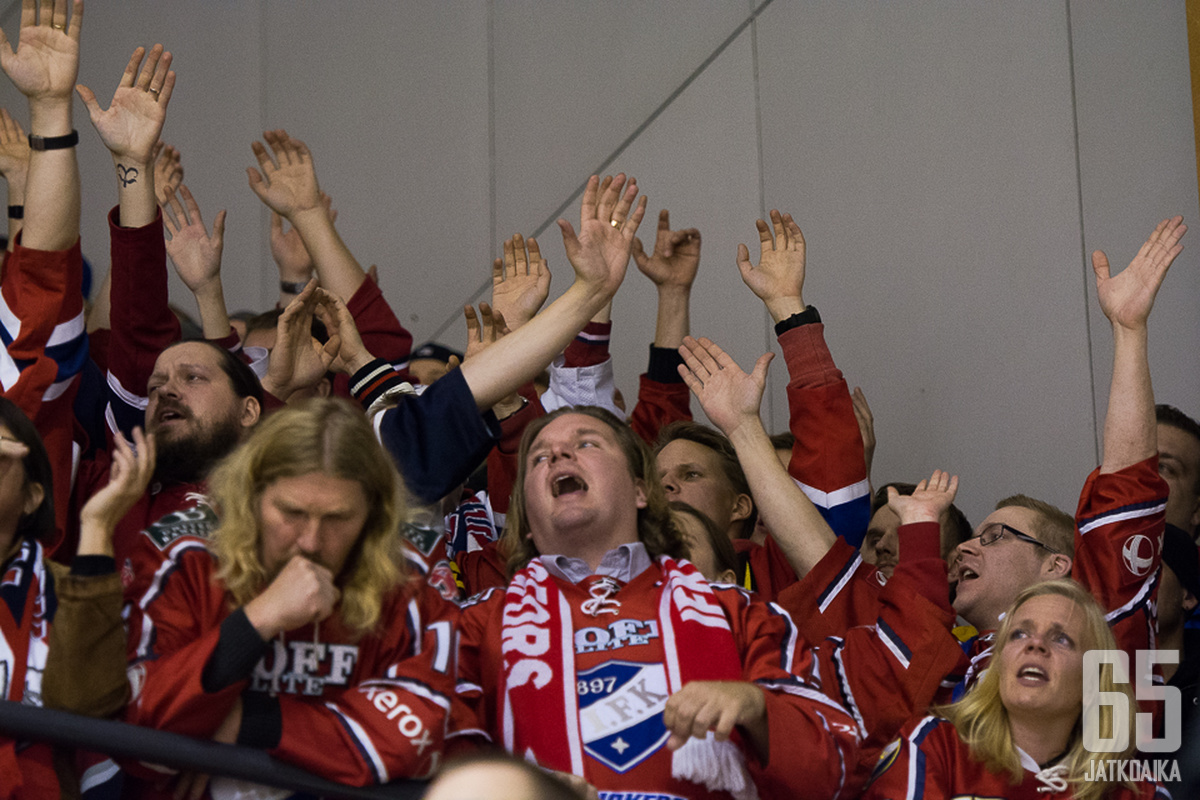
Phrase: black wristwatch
(42, 143)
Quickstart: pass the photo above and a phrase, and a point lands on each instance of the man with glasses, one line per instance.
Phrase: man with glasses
(1114, 544)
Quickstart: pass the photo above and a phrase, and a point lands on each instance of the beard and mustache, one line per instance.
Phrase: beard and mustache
(187, 456)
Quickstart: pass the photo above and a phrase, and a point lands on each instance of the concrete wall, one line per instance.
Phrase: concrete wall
(951, 162)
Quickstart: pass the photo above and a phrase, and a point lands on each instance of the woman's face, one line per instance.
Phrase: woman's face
(700, 549)
(1042, 661)
(15, 497)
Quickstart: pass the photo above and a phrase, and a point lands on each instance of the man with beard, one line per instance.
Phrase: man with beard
(201, 400)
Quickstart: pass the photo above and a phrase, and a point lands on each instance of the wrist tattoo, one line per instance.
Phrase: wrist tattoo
(127, 175)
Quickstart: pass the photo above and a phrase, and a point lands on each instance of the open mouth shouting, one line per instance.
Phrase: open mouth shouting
(567, 484)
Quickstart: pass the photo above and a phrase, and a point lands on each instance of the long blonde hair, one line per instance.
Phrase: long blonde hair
(322, 435)
(982, 720)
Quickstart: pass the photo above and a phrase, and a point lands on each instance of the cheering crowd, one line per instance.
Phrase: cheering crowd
(291, 531)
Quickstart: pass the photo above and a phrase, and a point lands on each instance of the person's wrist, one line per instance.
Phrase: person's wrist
(359, 361)
(50, 116)
(305, 216)
(781, 308)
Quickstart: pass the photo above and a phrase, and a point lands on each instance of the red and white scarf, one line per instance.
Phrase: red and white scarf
(537, 647)
(24, 624)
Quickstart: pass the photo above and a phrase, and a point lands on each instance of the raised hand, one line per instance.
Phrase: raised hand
(196, 254)
(298, 360)
(728, 395)
(520, 281)
(168, 171)
(717, 706)
(351, 355)
(14, 155)
(46, 61)
(676, 255)
(929, 500)
(287, 182)
(128, 478)
(132, 123)
(482, 331)
(1126, 299)
(608, 223)
(778, 278)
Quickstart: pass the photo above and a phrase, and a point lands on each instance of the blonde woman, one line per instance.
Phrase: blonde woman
(1018, 733)
(297, 629)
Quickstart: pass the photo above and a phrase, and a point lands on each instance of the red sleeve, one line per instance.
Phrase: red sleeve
(180, 627)
(890, 670)
(841, 591)
(381, 332)
(770, 572)
(392, 724)
(827, 459)
(1118, 548)
(589, 347)
(658, 405)
(813, 740)
(143, 324)
(47, 347)
(502, 459)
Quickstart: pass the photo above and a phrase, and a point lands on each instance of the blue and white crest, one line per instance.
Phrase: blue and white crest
(620, 712)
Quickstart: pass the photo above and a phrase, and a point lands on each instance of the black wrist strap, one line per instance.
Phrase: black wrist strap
(41, 143)
(16, 212)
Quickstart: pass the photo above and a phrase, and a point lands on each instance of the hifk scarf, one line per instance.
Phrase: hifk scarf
(27, 604)
(537, 647)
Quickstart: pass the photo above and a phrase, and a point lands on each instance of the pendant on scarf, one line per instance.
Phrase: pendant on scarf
(602, 600)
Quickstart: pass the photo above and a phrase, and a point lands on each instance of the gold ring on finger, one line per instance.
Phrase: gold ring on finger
(614, 223)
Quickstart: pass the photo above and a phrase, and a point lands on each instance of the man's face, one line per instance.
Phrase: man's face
(1042, 661)
(316, 516)
(881, 545)
(691, 472)
(1179, 465)
(193, 411)
(579, 489)
(990, 577)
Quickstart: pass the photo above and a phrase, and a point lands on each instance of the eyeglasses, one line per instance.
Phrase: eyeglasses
(995, 532)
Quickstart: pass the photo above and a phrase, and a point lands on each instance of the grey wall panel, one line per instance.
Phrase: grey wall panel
(927, 149)
(564, 107)
(1138, 166)
(392, 98)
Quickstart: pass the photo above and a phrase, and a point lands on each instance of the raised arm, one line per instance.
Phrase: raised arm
(292, 261)
(731, 400)
(827, 458)
(43, 68)
(286, 181)
(14, 167)
(197, 258)
(599, 254)
(130, 128)
(1126, 299)
(672, 267)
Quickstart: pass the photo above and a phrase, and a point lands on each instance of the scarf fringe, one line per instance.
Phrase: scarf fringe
(718, 766)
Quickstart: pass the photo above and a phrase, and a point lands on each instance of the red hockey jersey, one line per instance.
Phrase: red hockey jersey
(359, 710)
